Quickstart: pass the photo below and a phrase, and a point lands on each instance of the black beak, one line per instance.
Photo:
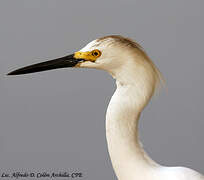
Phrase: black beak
(63, 62)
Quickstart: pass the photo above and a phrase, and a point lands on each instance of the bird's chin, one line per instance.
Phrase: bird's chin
(89, 64)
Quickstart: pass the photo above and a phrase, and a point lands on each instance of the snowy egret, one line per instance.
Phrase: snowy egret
(137, 79)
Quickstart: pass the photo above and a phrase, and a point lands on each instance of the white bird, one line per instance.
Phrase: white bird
(137, 78)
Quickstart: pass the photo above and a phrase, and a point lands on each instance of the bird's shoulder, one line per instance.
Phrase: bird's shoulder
(181, 173)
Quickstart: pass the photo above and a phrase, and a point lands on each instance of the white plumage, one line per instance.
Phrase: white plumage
(137, 78)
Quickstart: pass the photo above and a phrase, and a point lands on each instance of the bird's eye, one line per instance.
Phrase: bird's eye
(96, 53)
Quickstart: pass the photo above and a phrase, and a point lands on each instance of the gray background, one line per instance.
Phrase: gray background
(55, 120)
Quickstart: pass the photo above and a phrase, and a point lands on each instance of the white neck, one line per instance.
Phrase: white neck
(127, 155)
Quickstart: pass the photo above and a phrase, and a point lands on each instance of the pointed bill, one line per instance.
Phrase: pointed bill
(63, 62)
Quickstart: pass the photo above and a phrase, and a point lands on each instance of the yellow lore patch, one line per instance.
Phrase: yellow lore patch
(88, 56)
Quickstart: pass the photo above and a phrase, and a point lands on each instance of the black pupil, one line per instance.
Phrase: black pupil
(95, 54)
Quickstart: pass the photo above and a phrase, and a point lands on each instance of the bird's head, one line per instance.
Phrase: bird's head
(104, 53)
(121, 57)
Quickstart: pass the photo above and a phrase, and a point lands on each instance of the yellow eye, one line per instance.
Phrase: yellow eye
(96, 53)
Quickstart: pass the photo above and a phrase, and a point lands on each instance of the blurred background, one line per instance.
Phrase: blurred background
(55, 121)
